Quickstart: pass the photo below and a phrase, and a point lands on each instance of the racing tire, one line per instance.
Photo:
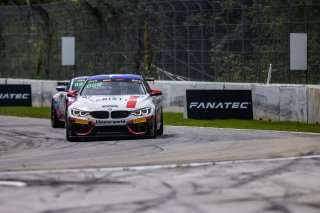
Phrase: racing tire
(160, 131)
(153, 129)
(55, 123)
(70, 139)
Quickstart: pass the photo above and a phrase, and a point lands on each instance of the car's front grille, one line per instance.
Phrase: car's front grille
(100, 114)
(142, 127)
(120, 114)
(111, 130)
(81, 128)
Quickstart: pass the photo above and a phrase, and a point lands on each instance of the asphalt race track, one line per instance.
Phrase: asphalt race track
(235, 171)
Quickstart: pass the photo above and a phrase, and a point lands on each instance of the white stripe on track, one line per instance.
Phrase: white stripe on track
(167, 166)
(12, 183)
(268, 159)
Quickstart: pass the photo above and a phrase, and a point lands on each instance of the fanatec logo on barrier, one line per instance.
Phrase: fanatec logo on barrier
(219, 104)
(15, 95)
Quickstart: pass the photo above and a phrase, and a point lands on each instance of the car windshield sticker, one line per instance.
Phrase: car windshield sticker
(78, 84)
(94, 84)
(136, 81)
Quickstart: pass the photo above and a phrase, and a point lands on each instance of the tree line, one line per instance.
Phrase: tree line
(224, 41)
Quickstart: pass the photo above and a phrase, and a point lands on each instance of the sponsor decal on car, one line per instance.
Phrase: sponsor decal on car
(112, 99)
(94, 84)
(108, 99)
(110, 122)
(79, 84)
(56, 103)
(104, 106)
(132, 102)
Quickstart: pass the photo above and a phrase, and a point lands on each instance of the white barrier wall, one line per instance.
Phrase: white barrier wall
(175, 92)
(270, 102)
(314, 105)
(293, 104)
(42, 91)
(266, 102)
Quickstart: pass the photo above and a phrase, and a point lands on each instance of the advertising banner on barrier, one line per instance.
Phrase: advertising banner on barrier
(15, 95)
(219, 104)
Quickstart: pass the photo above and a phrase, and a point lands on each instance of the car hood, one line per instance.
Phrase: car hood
(120, 102)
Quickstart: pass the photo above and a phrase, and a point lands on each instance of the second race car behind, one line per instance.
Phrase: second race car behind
(60, 101)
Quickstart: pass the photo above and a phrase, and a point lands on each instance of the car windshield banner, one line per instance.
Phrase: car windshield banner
(15, 95)
(219, 104)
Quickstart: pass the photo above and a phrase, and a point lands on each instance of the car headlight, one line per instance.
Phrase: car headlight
(79, 113)
(140, 112)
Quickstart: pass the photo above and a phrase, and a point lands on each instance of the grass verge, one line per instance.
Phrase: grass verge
(176, 119)
(33, 112)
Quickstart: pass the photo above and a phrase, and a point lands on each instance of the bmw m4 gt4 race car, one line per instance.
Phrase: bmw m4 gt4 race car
(115, 105)
(61, 101)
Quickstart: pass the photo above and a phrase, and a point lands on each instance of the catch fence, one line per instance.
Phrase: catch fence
(201, 40)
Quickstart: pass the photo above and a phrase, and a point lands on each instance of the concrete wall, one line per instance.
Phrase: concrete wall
(266, 102)
(314, 105)
(270, 102)
(293, 104)
(275, 102)
(175, 91)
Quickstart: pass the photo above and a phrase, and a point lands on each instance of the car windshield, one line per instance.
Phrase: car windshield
(113, 87)
(77, 84)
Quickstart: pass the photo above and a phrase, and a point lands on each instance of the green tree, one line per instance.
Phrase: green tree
(147, 50)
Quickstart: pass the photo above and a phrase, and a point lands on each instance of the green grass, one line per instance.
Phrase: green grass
(33, 112)
(176, 119)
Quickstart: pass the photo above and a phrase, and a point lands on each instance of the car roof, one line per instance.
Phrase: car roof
(115, 76)
(81, 78)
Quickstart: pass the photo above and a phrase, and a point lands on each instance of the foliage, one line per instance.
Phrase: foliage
(147, 50)
(2, 45)
(256, 36)
(25, 2)
(230, 40)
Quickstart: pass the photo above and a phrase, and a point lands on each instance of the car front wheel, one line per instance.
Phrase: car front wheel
(160, 130)
(68, 135)
(153, 129)
(55, 123)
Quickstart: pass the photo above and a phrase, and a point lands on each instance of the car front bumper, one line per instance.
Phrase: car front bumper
(84, 128)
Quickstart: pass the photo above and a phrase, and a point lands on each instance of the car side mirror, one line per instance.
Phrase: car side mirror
(155, 92)
(72, 93)
(61, 88)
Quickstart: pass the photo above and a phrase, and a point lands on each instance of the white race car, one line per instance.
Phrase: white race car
(114, 105)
